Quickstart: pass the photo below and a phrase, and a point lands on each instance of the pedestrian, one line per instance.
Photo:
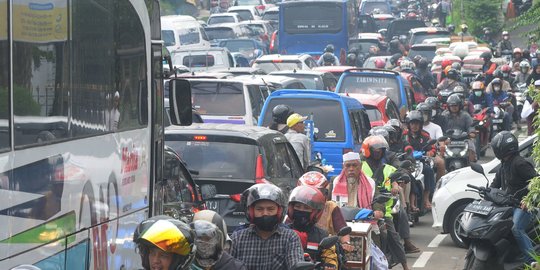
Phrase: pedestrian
(443, 9)
(299, 141)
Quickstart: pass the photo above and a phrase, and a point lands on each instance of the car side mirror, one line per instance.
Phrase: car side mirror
(180, 102)
(208, 191)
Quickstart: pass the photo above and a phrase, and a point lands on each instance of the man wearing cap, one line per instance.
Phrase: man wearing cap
(299, 141)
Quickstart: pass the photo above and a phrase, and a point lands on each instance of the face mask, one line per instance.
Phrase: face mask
(266, 223)
(206, 249)
(433, 113)
(478, 93)
(524, 70)
(505, 37)
(497, 88)
(301, 220)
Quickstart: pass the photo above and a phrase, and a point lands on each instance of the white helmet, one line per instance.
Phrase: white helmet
(406, 64)
(524, 64)
(505, 33)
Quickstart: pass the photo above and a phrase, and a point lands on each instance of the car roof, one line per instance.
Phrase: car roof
(315, 94)
(234, 70)
(268, 78)
(383, 16)
(429, 29)
(198, 50)
(204, 75)
(272, 9)
(230, 80)
(297, 71)
(224, 14)
(254, 22)
(371, 71)
(245, 7)
(270, 57)
(424, 47)
(233, 130)
(221, 25)
(367, 99)
(333, 68)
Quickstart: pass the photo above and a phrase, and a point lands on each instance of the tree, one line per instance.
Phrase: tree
(477, 15)
(530, 18)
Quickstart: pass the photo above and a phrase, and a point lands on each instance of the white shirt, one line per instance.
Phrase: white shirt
(300, 143)
(434, 130)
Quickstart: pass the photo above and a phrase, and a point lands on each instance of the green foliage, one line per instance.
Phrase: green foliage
(530, 18)
(477, 15)
(23, 102)
(532, 200)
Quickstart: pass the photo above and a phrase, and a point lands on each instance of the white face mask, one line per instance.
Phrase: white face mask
(497, 88)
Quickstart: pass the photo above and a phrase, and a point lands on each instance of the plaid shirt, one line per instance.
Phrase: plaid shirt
(281, 251)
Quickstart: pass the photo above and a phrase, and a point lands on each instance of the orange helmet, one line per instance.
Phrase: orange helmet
(446, 63)
(373, 142)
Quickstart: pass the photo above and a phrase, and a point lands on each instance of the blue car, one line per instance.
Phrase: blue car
(340, 123)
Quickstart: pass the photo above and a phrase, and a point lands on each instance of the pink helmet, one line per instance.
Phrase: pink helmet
(380, 63)
(314, 179)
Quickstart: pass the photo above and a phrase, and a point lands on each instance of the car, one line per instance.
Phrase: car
(235, 101)
(203, 59)
(418, 35)
(238, 71)
(399, 27)
(250, 48)
(225, 31)
(273, 62)
(183, 32)
(380, 109)
(336, 70)
(368, 6)
(425, 50)
(262, 5)
(378, 81)
(366, 24)
(383, 20)
(363, 43)
(339, 122)
(311, 79)
(276, 82)
(246, 13)
(451, 195)
(232, 158)
(262, 29)
(271, 15)
(226, 17)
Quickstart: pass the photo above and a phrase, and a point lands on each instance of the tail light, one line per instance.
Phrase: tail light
(259, 168)
(236, 197)
(261, 7)
(347, 150)
(272, 41)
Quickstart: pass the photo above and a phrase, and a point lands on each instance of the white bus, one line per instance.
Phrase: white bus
(81, 130)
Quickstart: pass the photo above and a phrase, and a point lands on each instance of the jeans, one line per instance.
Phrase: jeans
(521, 220)
(429, 179)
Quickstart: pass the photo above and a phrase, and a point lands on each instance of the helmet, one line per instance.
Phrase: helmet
(380, 131)
(328, 57)
(496, 81)
(376, 11)
(455, 99)
(396, 125)
(313, 179)
(373, 142)
(498, 73)
(392, 133)
(406, 64)
(445, 63)
(216, 219)
(453, 74)
(456, 66)
(505, 33)
(435, 22)
(168, 234)
(329, 48)
(209, 241)
(415, 116)
(280, 113)
(433, 102)
(380, 63)
(260, 192)
(351, 59)
(504, 144)
(506, 69)
(309, 196)
(422, 63)
(451, 28)
(464, 27)
(425, 109)
(524, 64)
(477, 85)
(395, 59)
(486, 56)
(517, 50)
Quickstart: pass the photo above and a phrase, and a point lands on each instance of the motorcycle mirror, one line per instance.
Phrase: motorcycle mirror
(479, 169)
(328, 242)
(344, 231)
(303, 266)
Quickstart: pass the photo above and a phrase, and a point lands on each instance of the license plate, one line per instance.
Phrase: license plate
(457, 143)
(212, 205)
(497, 120)
(479, 209)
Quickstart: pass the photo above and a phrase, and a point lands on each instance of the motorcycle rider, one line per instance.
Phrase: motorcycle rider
(479, 96)
(453, 79)
(165, 243)
(280, 113)
(328, 51)
(488, 67)
(456, 118)
(417, 138)
(396, 144)
(499, 91)
(524, 71)
(395, 60)
(435, 133)
(517, 55)
(258, 244)
(425, 76)
(452, 29)
(211, 254)
(513, 177)
(488, 37)
(505, 44)
(535, 75)
(304, 210)
(507, 74)
(436, 117)
(464, 32)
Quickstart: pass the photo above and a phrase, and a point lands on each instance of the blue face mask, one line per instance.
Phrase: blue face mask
(478, 93)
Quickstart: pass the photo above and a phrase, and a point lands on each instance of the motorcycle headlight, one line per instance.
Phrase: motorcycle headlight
(482, 123)
(449, 152)
(495, 217)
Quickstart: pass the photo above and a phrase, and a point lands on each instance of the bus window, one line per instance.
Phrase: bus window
(4, 62)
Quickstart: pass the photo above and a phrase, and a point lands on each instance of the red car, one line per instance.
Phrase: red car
(380, 109)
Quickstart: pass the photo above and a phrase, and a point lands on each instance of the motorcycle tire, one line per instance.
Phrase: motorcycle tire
(472, 263)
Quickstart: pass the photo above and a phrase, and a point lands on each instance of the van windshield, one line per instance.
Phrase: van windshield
(221, 19)
(218, 98)
(269, 66)
(328, 126)
(189, 36)
(221, 160)
(371, 85)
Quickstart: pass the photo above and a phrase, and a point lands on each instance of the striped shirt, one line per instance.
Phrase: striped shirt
(282, 250)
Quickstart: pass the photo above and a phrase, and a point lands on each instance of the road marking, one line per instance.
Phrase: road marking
(423, 259)
(437, 240)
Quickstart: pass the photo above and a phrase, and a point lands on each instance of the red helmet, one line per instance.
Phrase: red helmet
(309, 196)
(411, 15)
(380, 63)
(445, 63)
(313, 179)
(506, 69)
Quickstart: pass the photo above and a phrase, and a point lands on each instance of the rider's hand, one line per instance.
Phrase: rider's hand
(347, 247)
(378, 214)
(523, 206)
(395, 188)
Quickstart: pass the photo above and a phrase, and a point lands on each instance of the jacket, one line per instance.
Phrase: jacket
(382, 181)
(300, 143)
(225, 262)
(514, 175)
(486, 100)
(418, 142)
(311, 245)
(462, 121)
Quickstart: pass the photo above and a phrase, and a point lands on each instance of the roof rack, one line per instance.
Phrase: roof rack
(372, 70)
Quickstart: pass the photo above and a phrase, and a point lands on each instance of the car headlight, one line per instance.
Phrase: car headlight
(447, 177)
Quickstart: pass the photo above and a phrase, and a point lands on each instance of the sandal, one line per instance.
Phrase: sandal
(415, 209)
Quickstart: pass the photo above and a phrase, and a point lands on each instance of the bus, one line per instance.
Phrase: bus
(81, 130)
(307, 26)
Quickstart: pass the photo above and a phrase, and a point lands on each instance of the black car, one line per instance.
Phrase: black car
(401, 27)
(233, 158)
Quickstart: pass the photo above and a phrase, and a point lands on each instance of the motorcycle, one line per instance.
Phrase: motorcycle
(487, 224)
(497, 121)
(481, 124)
(421, 160)
(457, 151)
(519, 94)
(445, 93)
(326, 243)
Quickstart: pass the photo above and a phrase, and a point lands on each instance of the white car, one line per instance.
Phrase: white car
(451, 197)
(274, 62)
(246, 13)
(220, 18)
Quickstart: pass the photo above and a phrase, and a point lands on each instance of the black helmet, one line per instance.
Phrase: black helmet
(392, 133)
(496, 81)
(381, 131)
(280, 113)
(396, 125)
(422, 63)
(455, 99)
(486, 56)
(415, 116)
(209, 241)
(260, 192)
(453, 74)
(498, 73)
(351, 59)
(328, 57)
(504, 144)
(168, 234)
(433, 102)
(329, 48)
(451, 28)
(425, 109)
(395, 58)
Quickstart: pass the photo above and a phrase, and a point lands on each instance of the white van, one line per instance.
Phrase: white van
(234, 101)
(183, 32)
(203, 59)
